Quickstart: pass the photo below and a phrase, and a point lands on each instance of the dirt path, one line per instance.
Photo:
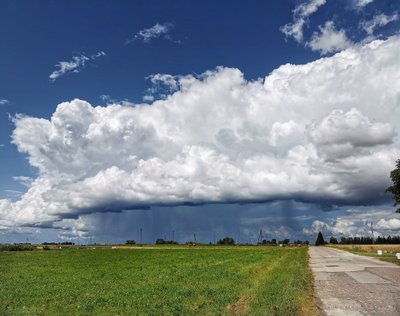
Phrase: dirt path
(348, 284)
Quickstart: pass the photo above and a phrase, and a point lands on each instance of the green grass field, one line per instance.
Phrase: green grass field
(179, 281)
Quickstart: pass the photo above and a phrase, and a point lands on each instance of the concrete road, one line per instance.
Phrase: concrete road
(348, 284)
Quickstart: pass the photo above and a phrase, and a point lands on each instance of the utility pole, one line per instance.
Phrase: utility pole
(214, 238)
(173, 236)
(372, 232)
(195, 241)
(141, 236)
(260, 237)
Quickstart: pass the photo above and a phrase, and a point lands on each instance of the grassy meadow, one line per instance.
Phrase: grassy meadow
(388, 254)
(157, 281)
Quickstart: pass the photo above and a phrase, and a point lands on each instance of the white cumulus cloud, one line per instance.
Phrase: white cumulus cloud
(341, 134)
(329, 39)
(390, 224)
(220, 138)
(356, 222)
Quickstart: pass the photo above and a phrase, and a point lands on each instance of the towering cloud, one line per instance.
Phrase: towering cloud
(322, 132)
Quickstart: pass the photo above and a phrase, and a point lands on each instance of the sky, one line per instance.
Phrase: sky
(214, 118)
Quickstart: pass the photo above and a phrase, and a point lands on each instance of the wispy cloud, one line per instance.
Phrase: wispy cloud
(13, 193)
(362, 3)
(4, 102)
(156, 31)
(300, 15)
(377, 21)
(25, 181)
(73, 66)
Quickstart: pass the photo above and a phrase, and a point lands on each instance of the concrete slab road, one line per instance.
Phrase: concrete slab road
(348, 284)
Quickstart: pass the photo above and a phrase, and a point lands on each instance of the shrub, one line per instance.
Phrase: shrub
(16, 247)
(226, 241)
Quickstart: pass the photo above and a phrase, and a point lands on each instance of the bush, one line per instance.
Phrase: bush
(16, 247)
(161, 241)
(130, 242)
(226, 241)
(46, 247)
(333, 240)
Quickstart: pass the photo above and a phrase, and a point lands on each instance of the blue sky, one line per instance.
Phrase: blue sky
(186, 88)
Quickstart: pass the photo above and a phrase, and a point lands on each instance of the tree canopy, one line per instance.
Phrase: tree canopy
(320, 240)
(395, 188)
(226, 241)
(333, 240)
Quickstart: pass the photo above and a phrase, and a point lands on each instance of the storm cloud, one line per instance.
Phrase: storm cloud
(323, 132)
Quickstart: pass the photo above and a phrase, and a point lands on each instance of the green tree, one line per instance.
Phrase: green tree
(226, 241)
(160, 241)
(333, 240)
(395, 188)
(320, 240)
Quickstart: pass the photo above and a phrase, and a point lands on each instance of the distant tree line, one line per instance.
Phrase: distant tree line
(283, 242)
(368, 240)
(225, 241)
(56, 243)
(358, 240)
(161, 241)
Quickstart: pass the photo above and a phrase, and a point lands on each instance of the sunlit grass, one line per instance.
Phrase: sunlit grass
(206, 281)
